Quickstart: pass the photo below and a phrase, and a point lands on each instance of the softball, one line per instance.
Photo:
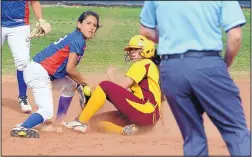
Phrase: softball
(87, 91)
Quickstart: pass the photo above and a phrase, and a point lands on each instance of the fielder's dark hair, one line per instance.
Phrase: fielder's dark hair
(85, 14)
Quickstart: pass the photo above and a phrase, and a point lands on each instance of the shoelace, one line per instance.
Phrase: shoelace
(24, 99)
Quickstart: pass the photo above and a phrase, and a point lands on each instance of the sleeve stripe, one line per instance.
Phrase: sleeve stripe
(147, 25)
(241, 22)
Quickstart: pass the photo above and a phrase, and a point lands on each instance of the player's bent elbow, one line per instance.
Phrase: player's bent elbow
(70, 71)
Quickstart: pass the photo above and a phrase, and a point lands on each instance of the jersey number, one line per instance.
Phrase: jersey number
(56, 42)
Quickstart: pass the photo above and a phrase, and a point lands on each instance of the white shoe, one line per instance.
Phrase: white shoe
(129, 130)
(24, 104)
(75, 125)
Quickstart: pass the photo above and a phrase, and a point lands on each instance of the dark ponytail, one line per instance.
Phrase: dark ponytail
(156, 58)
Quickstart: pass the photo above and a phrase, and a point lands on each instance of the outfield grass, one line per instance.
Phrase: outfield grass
(119, 24)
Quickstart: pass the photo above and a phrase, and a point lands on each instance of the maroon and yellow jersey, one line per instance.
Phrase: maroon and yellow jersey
(146, 81)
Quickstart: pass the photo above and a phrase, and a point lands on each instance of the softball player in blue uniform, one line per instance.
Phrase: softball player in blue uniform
(194, 77)
(56, 66)
(16, 29)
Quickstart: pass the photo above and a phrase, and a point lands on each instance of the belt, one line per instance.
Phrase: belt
(192, 54)
(51, 77)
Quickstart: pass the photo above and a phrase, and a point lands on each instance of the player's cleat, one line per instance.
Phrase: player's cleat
(75, 125)
(24, 104)
(129, 130)
(22, 132)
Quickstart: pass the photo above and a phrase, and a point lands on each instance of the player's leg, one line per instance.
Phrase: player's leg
(184, 106)
(38, 80)
(130, 105)
(20, 49)
(95, 102)
(4, 35)
(220, 98)
(108, 122)
(137, 111)
(67, 87)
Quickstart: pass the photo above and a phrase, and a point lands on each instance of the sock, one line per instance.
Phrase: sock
(110, 127)
(21, 84)
(95, 102)
(64, 103)
(33, 120)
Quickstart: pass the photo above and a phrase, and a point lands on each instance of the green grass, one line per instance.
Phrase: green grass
(119, 24)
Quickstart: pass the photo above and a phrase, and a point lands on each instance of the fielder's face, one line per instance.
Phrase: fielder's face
(134, 54)
(88, 26)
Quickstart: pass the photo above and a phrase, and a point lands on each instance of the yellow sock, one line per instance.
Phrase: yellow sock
(110, 127)
(95, 102)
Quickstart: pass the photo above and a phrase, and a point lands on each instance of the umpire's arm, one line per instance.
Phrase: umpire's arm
(148, 21)
(234, 38)
(232, 19)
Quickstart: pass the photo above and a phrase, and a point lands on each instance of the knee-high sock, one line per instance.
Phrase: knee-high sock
(64, 103)
(96, 101)
(33, 120)
(21, 84)
(109, 127)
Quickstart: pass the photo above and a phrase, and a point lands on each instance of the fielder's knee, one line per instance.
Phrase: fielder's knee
(21, 64)
(69, 89)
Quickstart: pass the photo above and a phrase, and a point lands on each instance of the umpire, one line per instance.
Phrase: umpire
(194, 76)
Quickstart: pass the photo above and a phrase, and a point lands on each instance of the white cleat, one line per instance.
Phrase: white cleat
(75, 125)
(130, 130)
(24, 104)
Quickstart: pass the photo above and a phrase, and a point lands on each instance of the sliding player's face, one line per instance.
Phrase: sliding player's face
(134, 54)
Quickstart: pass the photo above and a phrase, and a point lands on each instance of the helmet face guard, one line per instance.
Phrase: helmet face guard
(141, 42)
(126, 57)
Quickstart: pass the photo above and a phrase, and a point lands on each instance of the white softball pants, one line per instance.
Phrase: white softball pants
(38, 80)
(19, 47)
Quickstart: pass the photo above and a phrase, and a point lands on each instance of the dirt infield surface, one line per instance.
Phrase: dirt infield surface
(163, 140)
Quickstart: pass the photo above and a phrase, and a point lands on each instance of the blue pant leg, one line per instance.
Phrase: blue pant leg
(220, 99)
(186, 112)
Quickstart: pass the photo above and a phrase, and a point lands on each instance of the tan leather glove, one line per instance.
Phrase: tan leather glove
(42, 28)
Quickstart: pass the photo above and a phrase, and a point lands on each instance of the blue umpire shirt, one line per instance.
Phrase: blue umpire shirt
(191, 25)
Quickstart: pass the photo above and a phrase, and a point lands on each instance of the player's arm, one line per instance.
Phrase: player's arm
(135, 74)
(148, 21)
(72, 71)
(42, 26)
(37, 9)
(125, 81)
